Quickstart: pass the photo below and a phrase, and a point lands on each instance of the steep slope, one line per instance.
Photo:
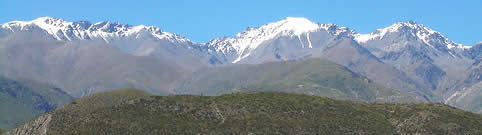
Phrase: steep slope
(84, 67)
(135, 40)
(475, 52)
(61, 29)
(22, 100)
(423, 54)
(468, 94)
(248, 113)
(468, 98)
(313, 76)
(474, 73)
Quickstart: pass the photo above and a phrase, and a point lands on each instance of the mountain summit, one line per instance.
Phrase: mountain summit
(410, 30)
(240, 46)
(60, 29)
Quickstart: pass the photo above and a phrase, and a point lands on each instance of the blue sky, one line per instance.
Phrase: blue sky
(203, 20)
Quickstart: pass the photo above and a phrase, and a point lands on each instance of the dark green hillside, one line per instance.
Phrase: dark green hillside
(313, 76)
(23, 100)
(135, 112)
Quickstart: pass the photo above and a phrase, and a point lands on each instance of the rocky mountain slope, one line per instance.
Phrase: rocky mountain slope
(468, 94)
(135, 112)
(422, 53)
(135, 40)
(315, 76)
(81, 68)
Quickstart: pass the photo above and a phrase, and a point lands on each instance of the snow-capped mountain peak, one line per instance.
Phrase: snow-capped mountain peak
(50, 21)
(425, 34)
(60, 29)
(291, 25)
(409, 26)
(49, 24)
(250, 39)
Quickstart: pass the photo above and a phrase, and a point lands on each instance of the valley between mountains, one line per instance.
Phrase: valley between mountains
(56, 61)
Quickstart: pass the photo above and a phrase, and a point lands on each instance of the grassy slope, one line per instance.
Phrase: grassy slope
(135, 112)
(314, 77)
(23, 100)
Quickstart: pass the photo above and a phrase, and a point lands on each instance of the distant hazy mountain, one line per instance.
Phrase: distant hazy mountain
(84, 58)
(312, 77)
(136, 112)
(22, 100)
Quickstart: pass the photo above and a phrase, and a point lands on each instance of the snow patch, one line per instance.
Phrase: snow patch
(459, 95)
(309, 41)
(451, 97)
(302, 44)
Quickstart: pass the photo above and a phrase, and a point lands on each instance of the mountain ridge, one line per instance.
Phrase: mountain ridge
(420, 30)
(292, 21)
(228, 49)
(61, 29)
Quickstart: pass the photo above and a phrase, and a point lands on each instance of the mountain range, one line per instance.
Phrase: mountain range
(83, 58)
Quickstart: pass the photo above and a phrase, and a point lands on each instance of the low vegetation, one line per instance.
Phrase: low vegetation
(136, 112)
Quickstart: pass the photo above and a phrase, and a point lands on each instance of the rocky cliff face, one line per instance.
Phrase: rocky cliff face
(38, 126)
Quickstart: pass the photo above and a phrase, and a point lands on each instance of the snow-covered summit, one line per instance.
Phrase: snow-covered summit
(61, 29)
(289, 26)
(425, 34)
(253, 37)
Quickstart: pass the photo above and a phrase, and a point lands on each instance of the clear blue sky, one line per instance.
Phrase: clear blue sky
(202, 20)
